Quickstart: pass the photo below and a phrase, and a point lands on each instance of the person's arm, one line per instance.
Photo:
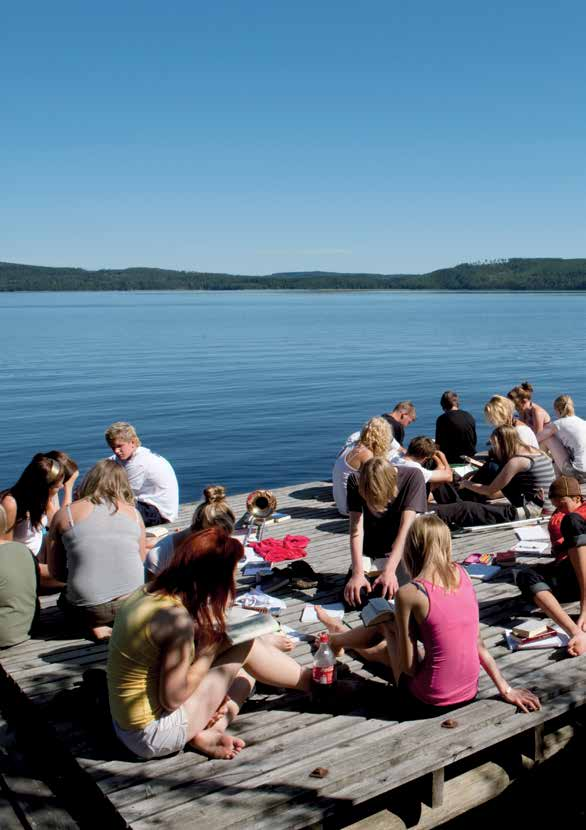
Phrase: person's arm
(173, 630)
(546, 432)
(523, 698)
(443, 472)
(142, 544)
(539, 419)
(388, 578)
(358, 579)
(578, 559)
(55, 552)
(506, 475)
(10, 508)
(68, 487)
(406, 599)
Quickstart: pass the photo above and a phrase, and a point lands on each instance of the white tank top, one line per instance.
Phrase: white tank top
(30, 536)
(340, 475)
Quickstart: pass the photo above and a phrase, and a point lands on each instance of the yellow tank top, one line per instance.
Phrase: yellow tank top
(134, 661)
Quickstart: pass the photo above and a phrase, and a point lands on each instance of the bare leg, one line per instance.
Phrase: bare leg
(269, 665)
(577, 557)
(101, 632)
(549, 604)
(559, 453)
(341, 637)
(280, 641)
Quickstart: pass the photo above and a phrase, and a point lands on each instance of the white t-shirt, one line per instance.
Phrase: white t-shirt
(159, 557)
(527, 435)
(572, 433)
(400, 461)
(153, 481)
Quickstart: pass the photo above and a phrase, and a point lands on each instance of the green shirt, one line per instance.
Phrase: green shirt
(18, 593)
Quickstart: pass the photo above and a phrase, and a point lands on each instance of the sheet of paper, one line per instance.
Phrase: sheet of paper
(257, 599)
(531, 533)
(334, 609)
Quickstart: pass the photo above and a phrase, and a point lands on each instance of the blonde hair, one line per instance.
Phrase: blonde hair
(429, 546)
(521, 394)
(500, 411)
(106, 482)
(377, 483)
(214, 511)
(376, 436)
(564, 406)
(506, 443)
(120, 429)
(407, 407)
(3, 521)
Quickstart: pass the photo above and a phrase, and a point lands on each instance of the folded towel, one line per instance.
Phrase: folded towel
(280, 550)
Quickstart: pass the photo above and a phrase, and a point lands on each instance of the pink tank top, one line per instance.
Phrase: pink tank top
(449, 671)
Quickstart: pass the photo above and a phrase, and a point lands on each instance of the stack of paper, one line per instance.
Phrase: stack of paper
(257, 600)
(558, 640)
(531, 533)
(530, 547)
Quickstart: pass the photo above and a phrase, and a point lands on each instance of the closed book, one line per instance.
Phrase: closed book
(529, 629)
(243, 625)
(377, 610)
(483, 572)
(156, 532)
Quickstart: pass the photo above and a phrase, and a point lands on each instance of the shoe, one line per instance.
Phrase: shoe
(529, 511)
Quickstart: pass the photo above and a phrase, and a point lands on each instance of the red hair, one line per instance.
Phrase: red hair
(201, 575)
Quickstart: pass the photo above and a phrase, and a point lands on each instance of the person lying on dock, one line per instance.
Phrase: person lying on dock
(455, 429)
(151, 477)
(424, 454)
(438, 607)
(383, 501)
(565, 439)
(524, 477)
(564, 579)
(173, 678)
(374, 442)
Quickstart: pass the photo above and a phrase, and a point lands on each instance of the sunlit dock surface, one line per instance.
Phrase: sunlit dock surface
(375, 764)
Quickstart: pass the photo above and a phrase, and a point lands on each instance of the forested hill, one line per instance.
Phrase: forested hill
(510, 274)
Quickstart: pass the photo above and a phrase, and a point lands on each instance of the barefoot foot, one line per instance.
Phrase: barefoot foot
(280, 641)
(577, 645)
(334, 626)
(216, 744)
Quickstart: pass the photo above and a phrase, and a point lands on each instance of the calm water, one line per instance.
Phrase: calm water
(255, 389)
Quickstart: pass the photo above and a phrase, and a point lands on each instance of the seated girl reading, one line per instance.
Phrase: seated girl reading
(439, 604)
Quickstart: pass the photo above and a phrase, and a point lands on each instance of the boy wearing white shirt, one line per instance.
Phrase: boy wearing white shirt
(151, 477)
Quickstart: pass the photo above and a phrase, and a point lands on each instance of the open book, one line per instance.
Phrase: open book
(377, 610)
(243, 625)
(373, 567)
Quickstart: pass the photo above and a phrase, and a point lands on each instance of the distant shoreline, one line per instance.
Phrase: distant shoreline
(500, 275)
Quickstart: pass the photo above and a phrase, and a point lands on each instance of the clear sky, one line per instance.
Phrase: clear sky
(253, 136)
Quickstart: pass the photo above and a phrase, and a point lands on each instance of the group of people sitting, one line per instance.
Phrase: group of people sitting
(174, 677)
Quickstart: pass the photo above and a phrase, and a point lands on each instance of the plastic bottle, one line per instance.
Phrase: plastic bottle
(323, 672)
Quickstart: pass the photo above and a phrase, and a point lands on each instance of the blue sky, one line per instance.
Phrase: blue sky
(253, 137)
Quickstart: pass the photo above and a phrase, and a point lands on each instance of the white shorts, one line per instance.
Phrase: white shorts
(160, 737)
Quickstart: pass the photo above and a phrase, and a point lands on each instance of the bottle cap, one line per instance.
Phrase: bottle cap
(324, 637)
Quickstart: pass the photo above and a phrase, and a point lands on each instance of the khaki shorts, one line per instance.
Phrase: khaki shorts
(164, 736)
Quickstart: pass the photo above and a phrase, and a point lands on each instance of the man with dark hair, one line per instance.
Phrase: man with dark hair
(402, 415)
(455, 430)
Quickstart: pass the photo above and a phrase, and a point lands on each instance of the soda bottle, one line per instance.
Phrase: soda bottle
(323, 673)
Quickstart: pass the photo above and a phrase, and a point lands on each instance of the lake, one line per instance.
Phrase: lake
(260, 388)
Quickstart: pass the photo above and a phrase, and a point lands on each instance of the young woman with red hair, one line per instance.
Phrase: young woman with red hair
(173, 678)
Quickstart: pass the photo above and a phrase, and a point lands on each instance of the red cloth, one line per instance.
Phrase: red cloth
(279, 550)
(555, 531)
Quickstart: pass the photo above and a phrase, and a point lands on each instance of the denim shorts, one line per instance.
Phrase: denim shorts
(164, 736)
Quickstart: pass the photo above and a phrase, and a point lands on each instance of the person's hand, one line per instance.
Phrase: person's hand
(388, 582)
(525, 700)
(463, 484)
(581, 621)
(577, 644)
(68, 485)
(353, 588)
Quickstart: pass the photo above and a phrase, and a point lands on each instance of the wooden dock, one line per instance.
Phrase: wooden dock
(373, 760)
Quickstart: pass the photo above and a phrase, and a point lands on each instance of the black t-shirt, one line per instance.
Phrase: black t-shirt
(455, 433)
(380, 530)
(397, 428)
